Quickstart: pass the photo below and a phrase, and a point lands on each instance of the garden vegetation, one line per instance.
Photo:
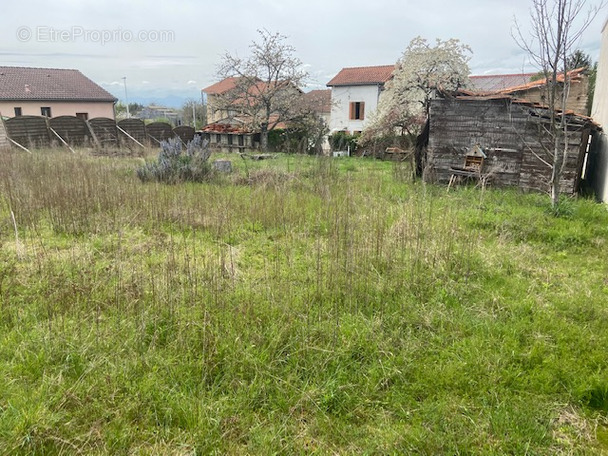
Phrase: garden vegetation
(302, 305)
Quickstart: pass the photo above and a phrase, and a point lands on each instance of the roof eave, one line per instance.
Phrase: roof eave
(87, 100)
(356, 84)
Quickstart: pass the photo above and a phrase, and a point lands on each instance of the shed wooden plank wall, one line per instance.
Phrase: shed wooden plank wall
(508, 134)
(4, 142)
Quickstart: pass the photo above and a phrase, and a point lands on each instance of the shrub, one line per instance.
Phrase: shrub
(301, 139)
(342, 140)
(374, 143)
(176, 165)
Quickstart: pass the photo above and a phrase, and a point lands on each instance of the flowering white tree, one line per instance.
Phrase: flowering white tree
(421, 70)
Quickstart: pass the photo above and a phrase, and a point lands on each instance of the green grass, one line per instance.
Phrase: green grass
(298, 306)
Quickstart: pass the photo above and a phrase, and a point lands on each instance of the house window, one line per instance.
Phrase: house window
(218, 139)
(45, 111)
(357, 110)
(241, 140)
(230, 140)
(83, 115)
(18, 112)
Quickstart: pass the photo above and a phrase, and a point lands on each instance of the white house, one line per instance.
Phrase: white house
(355, 93)
(599, 112)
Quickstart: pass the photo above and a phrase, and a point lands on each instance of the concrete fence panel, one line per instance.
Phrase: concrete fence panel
(185, 133)
(134, 128)
(105, 131)
(159, 131)
(73, 130)
(29, 131)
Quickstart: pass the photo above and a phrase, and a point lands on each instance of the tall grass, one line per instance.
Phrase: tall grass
(301, 306)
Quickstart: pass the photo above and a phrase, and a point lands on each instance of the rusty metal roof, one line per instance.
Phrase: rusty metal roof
(51, 84)
(225, 127)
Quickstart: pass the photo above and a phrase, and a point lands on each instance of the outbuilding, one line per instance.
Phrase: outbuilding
(511, 135)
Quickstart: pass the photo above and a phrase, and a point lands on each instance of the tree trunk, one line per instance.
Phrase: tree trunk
(556, 173)
(264, 137)
(554, 188)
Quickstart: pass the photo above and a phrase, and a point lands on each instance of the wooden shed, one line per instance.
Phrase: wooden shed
(510, 132)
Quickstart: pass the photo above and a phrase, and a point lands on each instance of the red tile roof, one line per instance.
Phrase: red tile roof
(319, 100)
(223, 86)
(371, 75)
(51, 84)
(496, 82)
(226, 85)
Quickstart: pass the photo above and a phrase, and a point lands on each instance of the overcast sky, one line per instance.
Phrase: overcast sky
(172, 48)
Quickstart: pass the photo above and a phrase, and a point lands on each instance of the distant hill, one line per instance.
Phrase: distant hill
(171, 100)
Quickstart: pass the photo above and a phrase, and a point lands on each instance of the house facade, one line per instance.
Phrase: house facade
(212, 94)
(52, 92)
(355, 93)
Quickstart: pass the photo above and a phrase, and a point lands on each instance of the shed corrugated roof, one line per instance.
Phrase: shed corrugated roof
(51, 84)
(511, 83)
(468, 95)
(497, 82)
(370, 75)
(573, 76)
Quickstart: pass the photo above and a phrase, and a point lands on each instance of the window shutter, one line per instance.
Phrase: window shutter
(362, 111)
(351, 115)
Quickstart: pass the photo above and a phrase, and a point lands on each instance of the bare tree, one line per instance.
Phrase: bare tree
(556, 28)
(194, 113)
(266, 84)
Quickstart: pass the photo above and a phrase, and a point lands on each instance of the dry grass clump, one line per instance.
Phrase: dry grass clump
(265, 177)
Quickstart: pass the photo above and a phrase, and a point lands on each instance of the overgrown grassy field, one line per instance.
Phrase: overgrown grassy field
(297, 306)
